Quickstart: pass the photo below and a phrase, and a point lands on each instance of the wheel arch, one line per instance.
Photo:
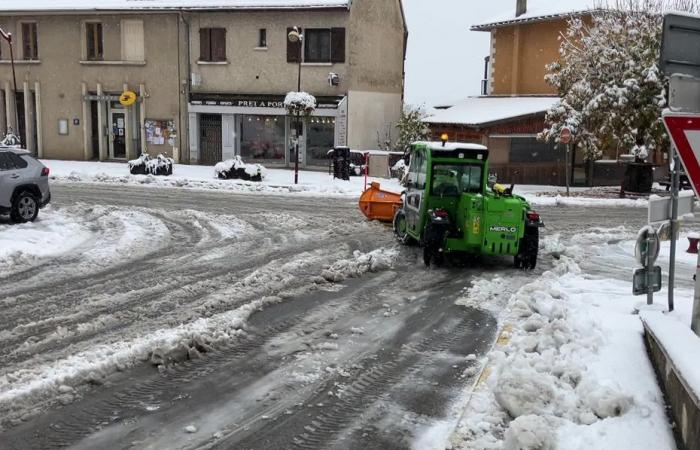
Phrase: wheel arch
(31, 188)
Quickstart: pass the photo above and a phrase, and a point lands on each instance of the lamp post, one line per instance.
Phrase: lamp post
(295, 36)
(8, 37)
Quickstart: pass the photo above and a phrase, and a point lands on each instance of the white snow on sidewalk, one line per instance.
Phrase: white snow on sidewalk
(55, 232)
(277, 181)
(570, 370)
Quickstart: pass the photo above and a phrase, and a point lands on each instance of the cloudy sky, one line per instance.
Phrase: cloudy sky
(445, 60)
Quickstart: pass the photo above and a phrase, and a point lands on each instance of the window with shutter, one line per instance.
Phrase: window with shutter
(317, 45)
(218, 44)
(93, 41)
(30, 49)
(132, 40)
(212, 44)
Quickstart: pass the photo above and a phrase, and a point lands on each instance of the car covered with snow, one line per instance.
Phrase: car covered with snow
(24, 184)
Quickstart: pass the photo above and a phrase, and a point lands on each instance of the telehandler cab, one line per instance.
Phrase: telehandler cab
(450, 209)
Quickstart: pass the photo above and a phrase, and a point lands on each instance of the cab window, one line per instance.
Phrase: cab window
(450, 180)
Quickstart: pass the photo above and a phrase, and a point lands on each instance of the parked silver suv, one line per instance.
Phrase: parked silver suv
(24, 185)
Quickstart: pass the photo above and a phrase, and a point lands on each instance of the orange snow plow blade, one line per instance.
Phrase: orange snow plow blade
(380, 205)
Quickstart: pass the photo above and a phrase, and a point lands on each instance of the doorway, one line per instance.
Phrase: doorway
(210, 139)
(117, 135)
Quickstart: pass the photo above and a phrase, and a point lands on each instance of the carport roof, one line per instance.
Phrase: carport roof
(480, 111)
(130, 5)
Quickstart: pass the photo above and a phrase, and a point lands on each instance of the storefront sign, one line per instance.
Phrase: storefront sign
(256, 101)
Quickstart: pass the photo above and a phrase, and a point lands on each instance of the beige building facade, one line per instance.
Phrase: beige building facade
(210, 81)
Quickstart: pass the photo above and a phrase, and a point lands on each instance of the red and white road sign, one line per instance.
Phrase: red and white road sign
(684, 129)
(565, 135)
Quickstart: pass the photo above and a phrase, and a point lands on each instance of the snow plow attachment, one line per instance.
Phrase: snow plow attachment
(379, 205)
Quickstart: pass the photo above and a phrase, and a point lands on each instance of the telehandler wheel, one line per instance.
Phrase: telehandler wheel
(529, 248)
(401, 227)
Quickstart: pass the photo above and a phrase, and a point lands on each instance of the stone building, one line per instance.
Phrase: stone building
(210, 77)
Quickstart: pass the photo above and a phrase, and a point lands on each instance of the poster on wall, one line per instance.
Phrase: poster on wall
(158, 132)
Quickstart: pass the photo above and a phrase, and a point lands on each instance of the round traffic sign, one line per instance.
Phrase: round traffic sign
(565, 135)
(646, 250)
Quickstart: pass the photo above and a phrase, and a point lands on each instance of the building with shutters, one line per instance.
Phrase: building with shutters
(210, 77)
(515, 96)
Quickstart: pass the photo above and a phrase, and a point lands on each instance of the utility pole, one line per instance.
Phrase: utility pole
(8, 38)
(675, 187)
(295, 36)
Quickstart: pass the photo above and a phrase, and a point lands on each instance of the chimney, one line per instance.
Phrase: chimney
(520, 7)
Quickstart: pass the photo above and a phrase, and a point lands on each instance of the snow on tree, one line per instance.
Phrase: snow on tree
(608, 78)
(411, 127)
(300, 102)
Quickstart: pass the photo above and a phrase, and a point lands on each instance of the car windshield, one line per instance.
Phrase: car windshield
(450, 180)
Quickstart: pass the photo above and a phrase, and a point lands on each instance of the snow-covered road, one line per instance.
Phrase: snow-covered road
(171, 319)
(289, 315)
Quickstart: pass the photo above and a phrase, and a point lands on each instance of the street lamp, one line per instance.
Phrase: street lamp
(8, 37)
(296, 37)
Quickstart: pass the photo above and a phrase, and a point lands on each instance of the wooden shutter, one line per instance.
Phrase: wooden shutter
(338, 45)
(132, 40)
(98, 39)
(90, 41)
(218, 44)
(293, 49)
(204, 44)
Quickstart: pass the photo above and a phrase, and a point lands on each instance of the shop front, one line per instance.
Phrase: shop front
(259, 129)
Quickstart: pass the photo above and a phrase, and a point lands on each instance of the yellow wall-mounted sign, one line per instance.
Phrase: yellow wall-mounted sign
(127, 98)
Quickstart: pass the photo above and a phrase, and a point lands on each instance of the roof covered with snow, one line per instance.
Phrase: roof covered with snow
(476, 111)
(129, 5)
(538, 10)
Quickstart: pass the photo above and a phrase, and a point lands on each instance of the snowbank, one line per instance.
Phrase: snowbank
(570, 369)
(276, 182)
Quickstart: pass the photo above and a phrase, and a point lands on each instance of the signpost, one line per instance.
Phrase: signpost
(565, 137)
(684, 130)
(647, 280)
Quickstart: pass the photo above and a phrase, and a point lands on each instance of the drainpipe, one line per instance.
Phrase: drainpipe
(188, 87)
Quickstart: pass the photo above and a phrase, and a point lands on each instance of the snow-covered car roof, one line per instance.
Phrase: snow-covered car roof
(539, 10)
(129, 5)
(476, 111)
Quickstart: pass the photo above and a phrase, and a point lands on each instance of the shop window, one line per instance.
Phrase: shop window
(262, 138)
(30, 43)
(212, 44)
(93, 40)
(132, 40)
(320, 139)
(262, 38)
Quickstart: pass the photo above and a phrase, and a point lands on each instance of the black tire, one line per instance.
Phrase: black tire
(25, 207)
(526, 258)
(401, 227)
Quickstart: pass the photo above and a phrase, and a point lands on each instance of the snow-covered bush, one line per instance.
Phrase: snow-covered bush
(608, 77)
(300, 103)
(400, 170)
(10, 140)
(145, 165)
(235, 168)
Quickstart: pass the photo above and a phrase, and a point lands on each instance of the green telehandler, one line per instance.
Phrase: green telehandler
(449, 209)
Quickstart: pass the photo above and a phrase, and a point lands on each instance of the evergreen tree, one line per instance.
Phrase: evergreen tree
(411, 128)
